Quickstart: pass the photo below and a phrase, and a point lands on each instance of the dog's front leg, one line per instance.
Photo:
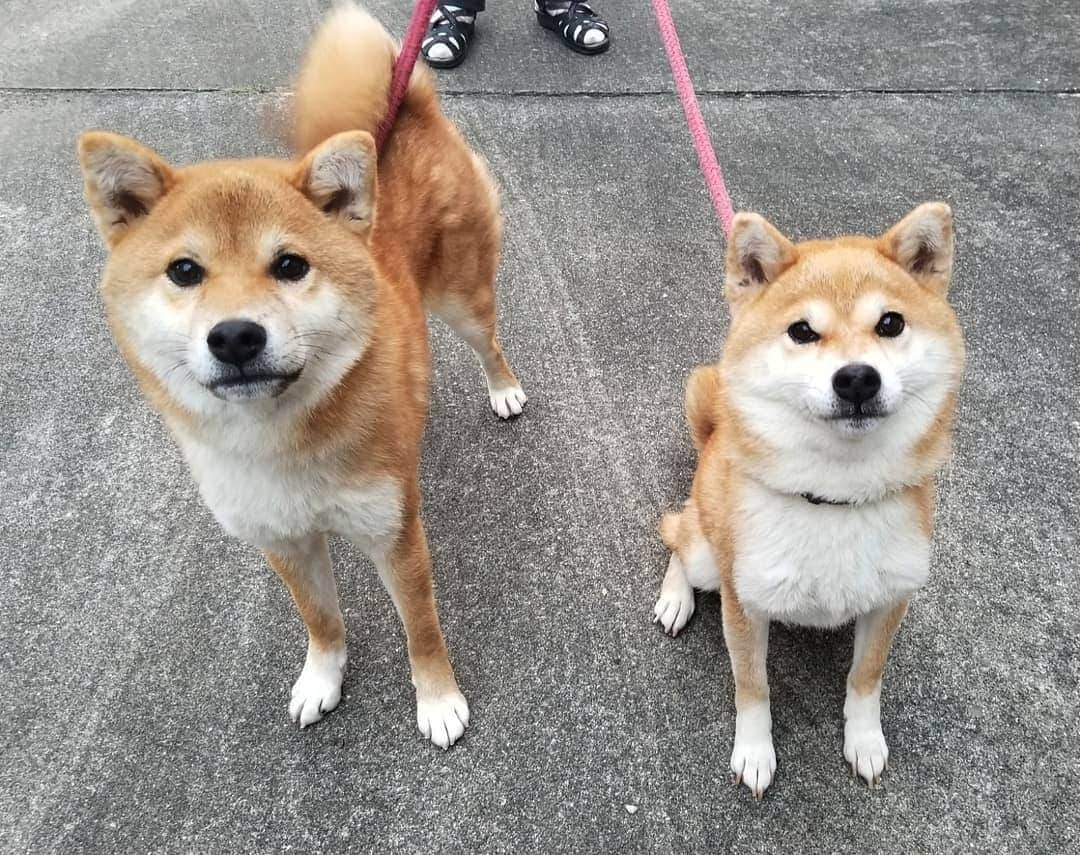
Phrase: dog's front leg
(753, 760)
(864, 743)
(304, 567)
(442, 713)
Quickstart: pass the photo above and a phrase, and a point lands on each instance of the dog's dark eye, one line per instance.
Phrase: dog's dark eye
(802, 333)
(185, 272)
(289, 268)
(890, 325)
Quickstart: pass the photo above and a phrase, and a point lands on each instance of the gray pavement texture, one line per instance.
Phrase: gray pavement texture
(147, 656)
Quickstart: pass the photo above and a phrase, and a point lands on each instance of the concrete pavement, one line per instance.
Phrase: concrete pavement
(148, 656)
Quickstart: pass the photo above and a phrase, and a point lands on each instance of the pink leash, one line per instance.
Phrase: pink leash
(710, 168)
(403, 66)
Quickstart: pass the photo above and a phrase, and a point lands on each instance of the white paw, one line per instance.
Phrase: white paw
(865, 750)
(753, 760)
(318, 688)
(508, 402)
(674, 608)
(753, 763)
(443, 719)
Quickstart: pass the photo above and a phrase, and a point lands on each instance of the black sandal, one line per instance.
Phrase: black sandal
(455, 34)
(572, 25)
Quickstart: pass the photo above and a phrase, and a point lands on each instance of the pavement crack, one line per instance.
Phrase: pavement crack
(574, 93)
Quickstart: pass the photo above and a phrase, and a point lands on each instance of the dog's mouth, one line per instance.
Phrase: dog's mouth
(858, 417)
(262, 384)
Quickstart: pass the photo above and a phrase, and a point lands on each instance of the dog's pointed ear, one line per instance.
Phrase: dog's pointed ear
(756, 255)
(124, 181)
(339, 177)
(922, 243)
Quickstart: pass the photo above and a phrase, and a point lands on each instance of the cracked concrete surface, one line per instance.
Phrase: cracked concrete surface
(148, 656)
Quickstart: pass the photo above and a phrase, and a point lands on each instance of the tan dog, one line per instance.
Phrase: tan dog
(820, 432)
(272, 312)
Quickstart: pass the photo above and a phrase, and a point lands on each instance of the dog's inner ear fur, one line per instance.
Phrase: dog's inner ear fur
(124, 180)
(756, 255)
(922, 243)
(339, 177)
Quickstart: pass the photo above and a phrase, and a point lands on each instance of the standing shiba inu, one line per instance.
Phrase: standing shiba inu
(272, 312)
(820, 432)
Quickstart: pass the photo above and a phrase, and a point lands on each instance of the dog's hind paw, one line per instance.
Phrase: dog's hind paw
(674, 609)
(676, 604)
(508, 402)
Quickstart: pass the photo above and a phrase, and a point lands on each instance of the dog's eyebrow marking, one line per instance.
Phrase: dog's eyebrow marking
(868, 307)
(818, 314)
(273, 243)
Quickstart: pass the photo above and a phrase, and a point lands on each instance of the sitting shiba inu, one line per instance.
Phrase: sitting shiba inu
(819, 433)
(273, 313)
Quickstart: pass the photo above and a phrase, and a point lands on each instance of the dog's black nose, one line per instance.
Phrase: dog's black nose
(856, 382)
(236, 342)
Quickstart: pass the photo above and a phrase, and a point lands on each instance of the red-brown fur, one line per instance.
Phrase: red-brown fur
(768, 279)
(424, 228)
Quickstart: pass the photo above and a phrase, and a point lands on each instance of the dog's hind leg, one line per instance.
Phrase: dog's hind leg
(459, 287)
(472, 317)
(691, 566)
(676, 603)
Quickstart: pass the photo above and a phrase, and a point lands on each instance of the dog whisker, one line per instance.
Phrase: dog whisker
(172, 369)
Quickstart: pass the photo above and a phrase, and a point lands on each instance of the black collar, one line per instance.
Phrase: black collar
(821, 500)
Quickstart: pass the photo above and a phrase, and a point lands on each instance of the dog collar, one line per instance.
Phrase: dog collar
(821, 500)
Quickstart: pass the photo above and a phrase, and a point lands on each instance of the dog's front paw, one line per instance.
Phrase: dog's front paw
(753, 763)
(508, 402)
(753, 760)
(865, 750)
(443, 718)
(318, 689)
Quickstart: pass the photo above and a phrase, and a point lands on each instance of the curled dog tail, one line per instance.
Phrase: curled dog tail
(702, 394)
(344, 79)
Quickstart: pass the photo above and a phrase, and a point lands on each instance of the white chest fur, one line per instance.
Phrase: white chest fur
(268, 502)
(822, 565)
